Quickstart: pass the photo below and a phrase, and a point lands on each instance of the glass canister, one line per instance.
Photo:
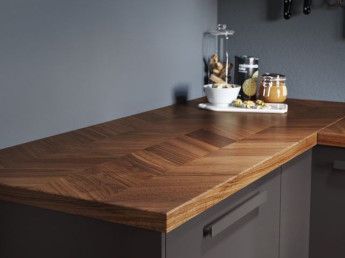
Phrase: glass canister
(216, 55)
(272, 88)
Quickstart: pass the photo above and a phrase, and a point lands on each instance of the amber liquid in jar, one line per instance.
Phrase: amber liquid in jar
(272, 88)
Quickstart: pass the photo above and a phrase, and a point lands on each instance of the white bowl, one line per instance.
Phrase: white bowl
(221, 96)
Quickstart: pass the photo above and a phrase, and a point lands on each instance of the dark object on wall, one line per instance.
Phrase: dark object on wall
(287, 9)
(307, 7)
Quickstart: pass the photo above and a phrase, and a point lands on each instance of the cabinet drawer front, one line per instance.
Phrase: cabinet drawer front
(235, 215)
(244, 225)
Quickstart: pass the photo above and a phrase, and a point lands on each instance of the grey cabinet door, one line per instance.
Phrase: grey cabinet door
(29, 232)
(327, 232)
(245, 225)
(295, 207)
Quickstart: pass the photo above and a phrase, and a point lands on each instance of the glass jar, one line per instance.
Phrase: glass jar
(272, 88)
(216, 55)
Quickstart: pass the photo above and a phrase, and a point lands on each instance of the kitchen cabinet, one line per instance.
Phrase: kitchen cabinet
(30, 232)
(174, 182)
(267, 219)
(244, 225)
(327, 234)
(295, 207)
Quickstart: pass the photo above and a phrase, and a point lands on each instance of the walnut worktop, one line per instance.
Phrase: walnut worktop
(159, 169)
(333, 135)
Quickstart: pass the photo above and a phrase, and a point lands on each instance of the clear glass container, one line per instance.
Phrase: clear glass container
(272, 88)
(216, 55)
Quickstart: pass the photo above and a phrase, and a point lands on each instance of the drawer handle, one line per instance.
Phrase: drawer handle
(227, 220)
(339, 165)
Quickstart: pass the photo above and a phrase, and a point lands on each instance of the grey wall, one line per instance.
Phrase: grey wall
(66, 64)
(310, 50)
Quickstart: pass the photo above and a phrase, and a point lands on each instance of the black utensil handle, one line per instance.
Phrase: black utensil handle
(307, 7)
(287, 8)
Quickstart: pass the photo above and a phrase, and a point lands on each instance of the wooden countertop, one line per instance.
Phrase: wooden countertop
(334, 135)
(159, 169)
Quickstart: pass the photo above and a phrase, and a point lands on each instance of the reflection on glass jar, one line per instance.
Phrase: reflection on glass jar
(272, 88)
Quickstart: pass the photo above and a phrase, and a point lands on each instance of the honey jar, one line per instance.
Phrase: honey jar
(272, 88)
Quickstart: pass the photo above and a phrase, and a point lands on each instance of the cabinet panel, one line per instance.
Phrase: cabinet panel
(29, 232)
(327, 232)
(295, 207)
(246, 225)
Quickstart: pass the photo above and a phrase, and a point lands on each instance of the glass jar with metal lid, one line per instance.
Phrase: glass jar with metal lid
(216, 55)
(273, 88)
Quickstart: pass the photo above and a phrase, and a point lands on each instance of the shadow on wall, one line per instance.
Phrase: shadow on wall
(275, 10)
(181, 93)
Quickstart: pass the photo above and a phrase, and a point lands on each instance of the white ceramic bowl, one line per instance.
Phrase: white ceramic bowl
(221, 96)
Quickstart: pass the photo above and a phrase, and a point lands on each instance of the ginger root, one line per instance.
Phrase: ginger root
(218, 70)
(216, 79)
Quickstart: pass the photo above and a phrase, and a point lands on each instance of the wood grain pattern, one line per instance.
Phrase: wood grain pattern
(159, 169)
(333, 135)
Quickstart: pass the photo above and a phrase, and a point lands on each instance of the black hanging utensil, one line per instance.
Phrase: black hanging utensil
(307, 7)
(287, 8)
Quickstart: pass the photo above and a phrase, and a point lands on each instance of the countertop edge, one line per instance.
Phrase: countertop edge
(94, 210)
(333, 135)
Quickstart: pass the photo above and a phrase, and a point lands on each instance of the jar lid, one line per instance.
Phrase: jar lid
(274, 77)
(250, 60)
(222, 30)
